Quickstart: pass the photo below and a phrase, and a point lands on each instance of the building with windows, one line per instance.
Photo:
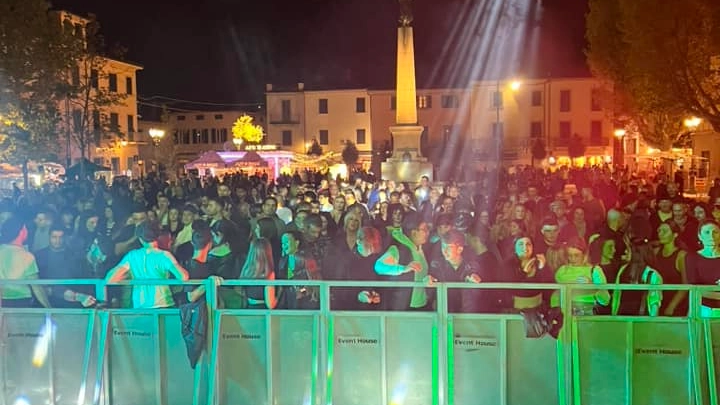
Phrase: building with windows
(106, 134)
(459, 123)
(195, 132)
(331, 117)
(553, 110)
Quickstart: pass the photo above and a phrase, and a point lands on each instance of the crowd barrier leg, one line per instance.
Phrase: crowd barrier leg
(710, 361)
(85, 373)
(101, 386)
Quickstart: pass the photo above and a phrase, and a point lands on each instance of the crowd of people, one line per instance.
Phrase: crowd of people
(572, 225)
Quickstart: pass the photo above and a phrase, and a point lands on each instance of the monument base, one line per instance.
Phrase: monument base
(408, 171)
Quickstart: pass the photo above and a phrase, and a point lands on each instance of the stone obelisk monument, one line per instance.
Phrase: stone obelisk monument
(407, 162)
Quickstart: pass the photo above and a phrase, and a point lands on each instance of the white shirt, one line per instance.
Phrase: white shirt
(150, 263)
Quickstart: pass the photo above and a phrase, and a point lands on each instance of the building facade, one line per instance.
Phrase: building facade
(104, 133)
(299, 117)
(459, 123)
(195, 132)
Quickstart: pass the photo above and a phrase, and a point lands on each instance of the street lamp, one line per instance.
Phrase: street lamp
(238, 142)
(156, 135)
(620, 136)
(691, 124)
(514, 86)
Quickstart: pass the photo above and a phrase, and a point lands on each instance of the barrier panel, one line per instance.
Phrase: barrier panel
(266, 356)
(383, 358)
(633, 360)
(42, 356)
(147, 361)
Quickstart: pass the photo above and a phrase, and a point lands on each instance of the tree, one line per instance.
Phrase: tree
(538, 151)
(88, 102)
(247, 131)
(662, 58)
(35, 53)
(315, 148)
(350, 155)
(577, 147)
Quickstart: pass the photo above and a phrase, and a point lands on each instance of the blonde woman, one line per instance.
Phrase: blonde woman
(579, 271)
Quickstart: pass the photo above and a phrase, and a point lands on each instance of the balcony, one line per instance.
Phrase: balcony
(283, 119)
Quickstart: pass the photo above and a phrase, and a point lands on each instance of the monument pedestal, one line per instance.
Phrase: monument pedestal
(407, 163)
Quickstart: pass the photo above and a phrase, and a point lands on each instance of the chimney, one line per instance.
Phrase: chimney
(301, 86)
(268, 87)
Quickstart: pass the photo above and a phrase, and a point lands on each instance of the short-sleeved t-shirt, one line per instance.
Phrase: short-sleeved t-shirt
(16, 263)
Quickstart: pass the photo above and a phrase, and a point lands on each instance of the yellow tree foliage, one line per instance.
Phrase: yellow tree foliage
(247, 131)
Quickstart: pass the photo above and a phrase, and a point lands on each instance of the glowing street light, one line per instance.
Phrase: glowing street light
(692, 122)
(515, 85)
(156, 135)
(238, 142)
(620, 132)
(620, 136)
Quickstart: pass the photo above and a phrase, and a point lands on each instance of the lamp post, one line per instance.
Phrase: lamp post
(620, 136)
(691, 124)
(156, 135)
(499, 135)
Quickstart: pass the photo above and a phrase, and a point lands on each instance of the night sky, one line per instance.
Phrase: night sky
(226, 50)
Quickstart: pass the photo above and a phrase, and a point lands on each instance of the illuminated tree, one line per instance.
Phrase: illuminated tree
(247, 131)
(662, 58)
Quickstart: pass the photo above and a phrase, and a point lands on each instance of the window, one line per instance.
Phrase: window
(180, 118)
(536, 98)
(96, 120)
(204, 136)
(176, 137)
(77, 121)
(195, 135)
(186, 137)
(112, 82)
(130, 162)
(323, 135)
(114, 122)
(218, 116)
(596, 133)
(595, 100)
(223, 135)
(323, 106)
(496, 99)
(199, 117)
(360, 104)
(360, 136)
(565, 101)
(98, 161)
(393, 102)
(498, 129)
(128, 85)
(76, 77)
(449, 101)
(94, 78)
(287, 138)
(285, 104)
(213, 136)
(115, 164)
(131, 127)
(565, 130)
(536, 129)
(424, 102)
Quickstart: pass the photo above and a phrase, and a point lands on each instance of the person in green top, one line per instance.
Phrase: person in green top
(579, 271)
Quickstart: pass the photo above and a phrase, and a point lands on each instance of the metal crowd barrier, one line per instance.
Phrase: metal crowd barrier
(325, 356)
